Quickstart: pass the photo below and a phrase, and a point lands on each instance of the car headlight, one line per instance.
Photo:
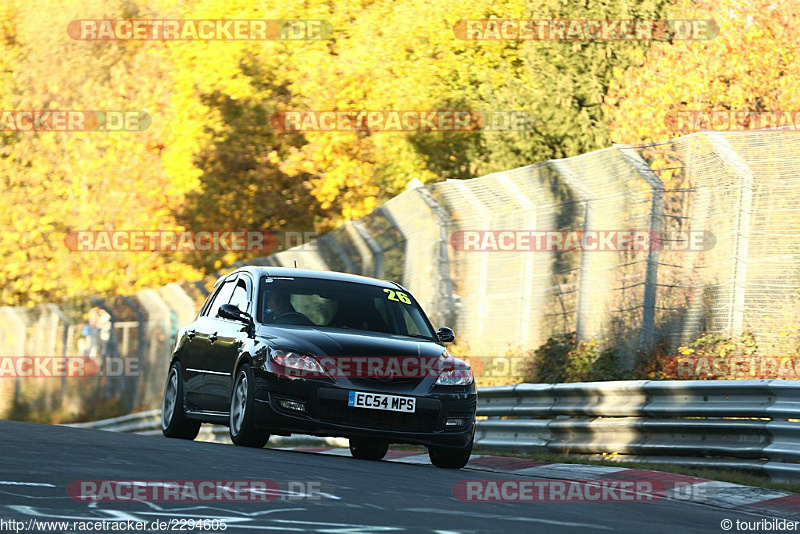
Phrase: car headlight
(295, 360)
(456, 377)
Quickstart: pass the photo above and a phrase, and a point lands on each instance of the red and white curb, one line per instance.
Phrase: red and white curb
(767, 502)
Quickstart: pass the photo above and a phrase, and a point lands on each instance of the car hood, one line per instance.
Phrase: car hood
(336, 342)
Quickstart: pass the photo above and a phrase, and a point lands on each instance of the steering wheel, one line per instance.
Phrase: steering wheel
(292, 318)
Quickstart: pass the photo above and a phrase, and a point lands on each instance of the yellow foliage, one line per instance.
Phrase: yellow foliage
(748, 66)
(206, 98)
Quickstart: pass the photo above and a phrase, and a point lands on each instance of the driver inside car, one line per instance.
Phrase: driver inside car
(280, 306)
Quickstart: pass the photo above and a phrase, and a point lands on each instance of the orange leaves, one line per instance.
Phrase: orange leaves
(744, 68)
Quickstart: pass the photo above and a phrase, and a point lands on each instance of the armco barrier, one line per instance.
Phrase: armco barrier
(149, 424)
(752, 425)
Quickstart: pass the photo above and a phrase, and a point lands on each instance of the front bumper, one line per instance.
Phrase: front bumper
(327, 413)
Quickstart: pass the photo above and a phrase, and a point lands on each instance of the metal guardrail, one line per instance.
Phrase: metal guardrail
(752, 425)
(135, 422)
(149, 424)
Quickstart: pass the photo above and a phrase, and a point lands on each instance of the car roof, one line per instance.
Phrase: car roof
(258, 271)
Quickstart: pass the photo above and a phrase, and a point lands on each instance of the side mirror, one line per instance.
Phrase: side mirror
(229, 311)
(446, 335)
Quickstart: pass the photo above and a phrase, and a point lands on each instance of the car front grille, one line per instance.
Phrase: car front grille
(341, 414)
(407, 384)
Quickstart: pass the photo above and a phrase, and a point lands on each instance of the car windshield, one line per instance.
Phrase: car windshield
(342, 305)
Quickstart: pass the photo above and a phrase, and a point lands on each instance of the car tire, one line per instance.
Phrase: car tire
(449, 457)
(241, 421)
(368, 449)
(174, 423)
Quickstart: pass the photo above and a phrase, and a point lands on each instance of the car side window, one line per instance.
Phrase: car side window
(240, 299)
(223, 296)
(207, 304)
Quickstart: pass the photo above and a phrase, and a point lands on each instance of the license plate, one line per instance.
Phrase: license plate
(377, 401)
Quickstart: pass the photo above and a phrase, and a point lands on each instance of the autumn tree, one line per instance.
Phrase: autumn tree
(750, 65)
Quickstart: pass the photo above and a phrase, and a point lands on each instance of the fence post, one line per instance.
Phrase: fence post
(448, 306)
(743, 209)
(375, 250)
(583, 330)
(64, 349)
(526, 292)
(329, 241)
(15, 326)
(647, 332)
(479, 289)
(142, 342)
(180, 302)
(158, 319)
(366, 268)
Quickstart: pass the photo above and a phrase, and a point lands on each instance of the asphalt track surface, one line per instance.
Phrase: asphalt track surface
(38, 462)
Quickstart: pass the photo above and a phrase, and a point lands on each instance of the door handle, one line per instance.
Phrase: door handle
(212, 338)
(190, 334)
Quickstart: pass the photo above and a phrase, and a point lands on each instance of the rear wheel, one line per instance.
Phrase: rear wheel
(368, 449)
(242, 420)
(174, 423)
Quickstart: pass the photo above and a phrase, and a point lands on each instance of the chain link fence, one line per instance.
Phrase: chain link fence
(100, 358)
(721, 209)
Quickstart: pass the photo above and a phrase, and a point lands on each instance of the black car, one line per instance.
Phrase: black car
(276, 351)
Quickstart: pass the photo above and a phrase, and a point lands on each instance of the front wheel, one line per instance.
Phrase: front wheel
(242, 421)
(174, 423)
(450, 458)
(368, 449)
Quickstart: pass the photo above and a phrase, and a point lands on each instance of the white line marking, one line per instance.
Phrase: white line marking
(342, 527)
(211, 509)
(12, 483)
(39, 497)
(257, 527)
(334, 452)
(506, 518)
(415, 459)
(328, 495)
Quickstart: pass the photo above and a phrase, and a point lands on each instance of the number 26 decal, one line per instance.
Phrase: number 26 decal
(397, 296)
